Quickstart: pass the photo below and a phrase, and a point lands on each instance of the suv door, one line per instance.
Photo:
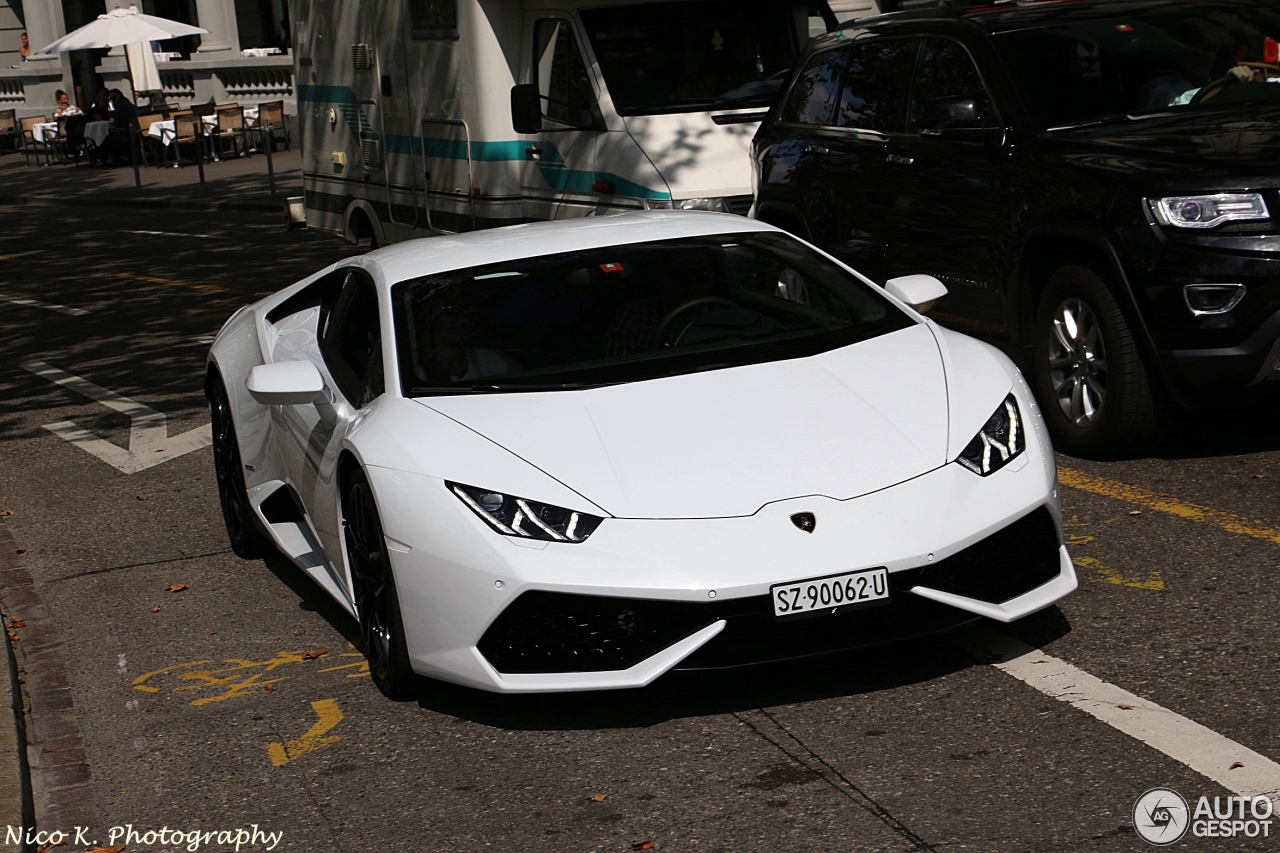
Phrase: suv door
(945, 205)
(873, 105)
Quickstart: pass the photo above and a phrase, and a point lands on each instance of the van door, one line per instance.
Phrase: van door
(558, 172)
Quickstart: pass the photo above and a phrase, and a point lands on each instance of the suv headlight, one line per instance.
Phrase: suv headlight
(526, 519)
(1208, 211)
(998, 442)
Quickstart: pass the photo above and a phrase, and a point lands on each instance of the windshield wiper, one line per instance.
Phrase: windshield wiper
(497, 388)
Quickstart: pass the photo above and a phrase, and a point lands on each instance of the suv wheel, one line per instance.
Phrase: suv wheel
(1088, 373)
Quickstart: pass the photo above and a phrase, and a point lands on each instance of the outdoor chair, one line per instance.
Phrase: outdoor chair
(271, 124)
(230, 130)
(149, 146)
(29, 144)
(188, 129)
(69, 143)
(8, 130)
(203, 109)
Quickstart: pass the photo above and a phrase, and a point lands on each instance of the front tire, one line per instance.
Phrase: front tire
(378, 605)
(247, 540)
(1089, 375)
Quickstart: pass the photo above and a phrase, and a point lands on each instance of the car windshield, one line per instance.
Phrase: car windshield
(685, 57)
(629, 313)
(1081, 72)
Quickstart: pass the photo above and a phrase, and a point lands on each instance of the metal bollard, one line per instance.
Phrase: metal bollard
(133, 152)
(271, 172)
(202, 140)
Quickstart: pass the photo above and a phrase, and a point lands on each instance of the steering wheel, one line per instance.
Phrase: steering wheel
(668, 321)
(1212, 89)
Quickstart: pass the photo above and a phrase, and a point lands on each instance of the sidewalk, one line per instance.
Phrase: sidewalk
(236, 184)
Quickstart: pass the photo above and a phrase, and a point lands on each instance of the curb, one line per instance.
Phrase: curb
(54, 765)
(153, 203)
(15, 774)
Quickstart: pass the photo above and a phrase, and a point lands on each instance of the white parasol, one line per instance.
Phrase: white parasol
(130, 28)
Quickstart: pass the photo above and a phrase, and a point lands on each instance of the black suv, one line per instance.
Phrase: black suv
(1096, 183)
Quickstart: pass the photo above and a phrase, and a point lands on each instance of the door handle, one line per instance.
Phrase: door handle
(815, 149)
(533, 152)
(899, 159)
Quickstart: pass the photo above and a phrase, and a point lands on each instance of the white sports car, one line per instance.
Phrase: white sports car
(574, 456)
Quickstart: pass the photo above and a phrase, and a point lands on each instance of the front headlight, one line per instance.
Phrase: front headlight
(719, 205)
(526, 519)
(998, 442)
(1208, 211)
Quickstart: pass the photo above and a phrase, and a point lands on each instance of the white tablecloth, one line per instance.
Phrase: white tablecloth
(45, 130)
(97, 131)
(165, 131)
(261, 52)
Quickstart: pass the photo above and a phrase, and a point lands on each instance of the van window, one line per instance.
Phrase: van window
(561, 73)
(813, 96)
(434, 17)
(876, 81)
(947, 71)
(695, 56)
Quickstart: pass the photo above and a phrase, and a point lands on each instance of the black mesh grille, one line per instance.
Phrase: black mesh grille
(557, 632)
(1006, 564)
(739, 204)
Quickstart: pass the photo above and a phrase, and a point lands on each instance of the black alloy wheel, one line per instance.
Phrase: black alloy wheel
(378, 606)
(247, 540)
(1089, 376)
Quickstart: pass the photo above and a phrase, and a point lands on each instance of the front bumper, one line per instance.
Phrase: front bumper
(460, 580)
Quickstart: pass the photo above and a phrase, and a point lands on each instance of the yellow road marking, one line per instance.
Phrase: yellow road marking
(1109, 575)
(139, 683)
(361, 666)
(329, 715)
(5, 258)
(151, 279)
(237, 677)
(1192, 512)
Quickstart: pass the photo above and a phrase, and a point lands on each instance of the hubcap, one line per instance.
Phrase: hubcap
(1078, 362)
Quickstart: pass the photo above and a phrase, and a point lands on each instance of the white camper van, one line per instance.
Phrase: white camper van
(426, 116)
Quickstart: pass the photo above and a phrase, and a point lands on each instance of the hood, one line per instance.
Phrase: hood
(1237, 140)
(696, 157)
(727, 442)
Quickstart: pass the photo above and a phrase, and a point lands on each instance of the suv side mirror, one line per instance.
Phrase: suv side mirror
(526, 108)
(956, 118)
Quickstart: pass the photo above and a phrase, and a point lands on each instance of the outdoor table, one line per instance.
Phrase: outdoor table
(97, 132)
(261, 52)
(45, 129)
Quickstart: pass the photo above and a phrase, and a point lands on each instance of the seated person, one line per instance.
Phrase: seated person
(446, 354)
(100, 109)
(65, 108)
(118, 149)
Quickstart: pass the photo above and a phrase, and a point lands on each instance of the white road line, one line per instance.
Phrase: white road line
(203, 339)
(1184, 740)
(48, 306)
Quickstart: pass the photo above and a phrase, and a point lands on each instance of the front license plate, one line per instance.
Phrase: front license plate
(827, 595)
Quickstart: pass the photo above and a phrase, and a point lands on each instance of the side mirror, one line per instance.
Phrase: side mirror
(918, 291)
(526, 108)
(286, 383)
(958, 119)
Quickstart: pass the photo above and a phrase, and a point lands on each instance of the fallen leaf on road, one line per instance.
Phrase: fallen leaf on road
(17, 623)
(210, 633)
(6, 512)
(115, 849)
(642, 845)
(45, 749)
(13, 638)
(1259, 476)
(177, 587)
(49, 845)
(269, 688)
(156, 609)
(142, 497)
(22, 550)
(1135, 512)
(599, 798)
(1235, 764)
(1125, 707)
(313, 655)
(1163, 495)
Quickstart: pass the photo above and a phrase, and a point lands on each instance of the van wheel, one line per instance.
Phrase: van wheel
(1088, 372)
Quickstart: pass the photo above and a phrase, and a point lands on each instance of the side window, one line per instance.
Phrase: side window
(946, 74)
(434, 18)
(812, 98)
(561, 73)
(876, 85)
(351, 340)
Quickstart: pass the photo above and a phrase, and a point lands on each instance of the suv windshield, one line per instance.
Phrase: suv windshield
(685, 57)
(628, 313)
(1080, 72)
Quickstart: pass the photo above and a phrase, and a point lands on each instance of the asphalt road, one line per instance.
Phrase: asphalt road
(202, 709)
